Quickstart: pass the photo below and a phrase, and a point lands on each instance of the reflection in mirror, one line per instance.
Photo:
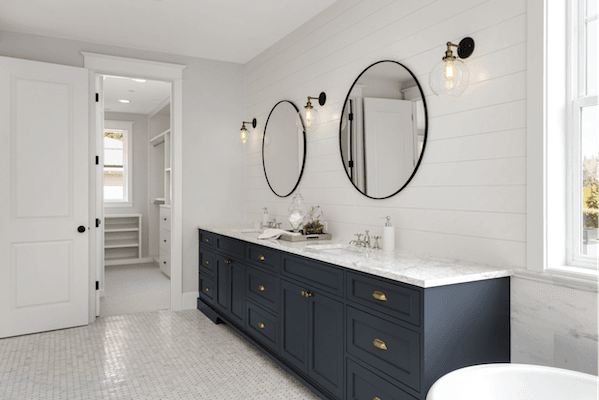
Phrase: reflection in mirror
(383, 129)
(283, 149)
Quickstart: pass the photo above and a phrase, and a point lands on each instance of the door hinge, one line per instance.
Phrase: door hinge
(97, 285)
(97, 160)
(97, 222)
(97, 97)
(351, 164)
(351, 117)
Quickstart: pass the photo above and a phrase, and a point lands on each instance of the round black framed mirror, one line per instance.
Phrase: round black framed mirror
(383, 129)
(283, 149)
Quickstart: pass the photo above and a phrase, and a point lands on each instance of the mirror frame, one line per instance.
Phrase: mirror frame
(425, 129)
(304, 158)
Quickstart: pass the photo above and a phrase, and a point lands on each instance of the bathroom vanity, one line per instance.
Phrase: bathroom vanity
(365, 327)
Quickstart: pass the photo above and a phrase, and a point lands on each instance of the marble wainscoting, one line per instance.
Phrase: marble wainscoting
(554, 323)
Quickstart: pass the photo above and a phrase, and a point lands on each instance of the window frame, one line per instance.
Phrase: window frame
(127, 127)
(547, 147)
(577, 99)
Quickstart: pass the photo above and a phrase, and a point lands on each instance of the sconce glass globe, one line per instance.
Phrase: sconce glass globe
(449, 77)
(244, 134)
(309, 116)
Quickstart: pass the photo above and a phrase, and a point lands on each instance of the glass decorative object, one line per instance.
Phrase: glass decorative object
(313, 225)
(297, 212)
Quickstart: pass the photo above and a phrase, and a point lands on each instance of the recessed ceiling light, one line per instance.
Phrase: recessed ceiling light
(125, 101)
(139, 80)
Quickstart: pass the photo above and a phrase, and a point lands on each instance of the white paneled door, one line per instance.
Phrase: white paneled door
(44, 197)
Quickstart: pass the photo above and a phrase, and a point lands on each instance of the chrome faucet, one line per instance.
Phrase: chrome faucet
(359, 242)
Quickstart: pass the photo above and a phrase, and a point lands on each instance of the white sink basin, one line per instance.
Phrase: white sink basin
(337, 249)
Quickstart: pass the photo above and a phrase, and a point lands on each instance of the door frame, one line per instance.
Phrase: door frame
(101, 64)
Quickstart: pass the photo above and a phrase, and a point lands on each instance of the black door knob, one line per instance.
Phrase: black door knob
(81, 229)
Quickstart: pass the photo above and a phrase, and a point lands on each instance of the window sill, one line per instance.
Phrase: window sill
(564, 275)
(118, 204)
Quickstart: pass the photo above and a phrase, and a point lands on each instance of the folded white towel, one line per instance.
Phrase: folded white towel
(276, 233)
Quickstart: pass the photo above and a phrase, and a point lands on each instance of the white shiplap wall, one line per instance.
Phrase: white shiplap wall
(468, 199)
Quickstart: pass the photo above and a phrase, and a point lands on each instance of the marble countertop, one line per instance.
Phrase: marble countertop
(419, 270)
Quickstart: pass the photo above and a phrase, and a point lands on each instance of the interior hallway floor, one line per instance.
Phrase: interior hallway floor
(145, 356)
(134, 288)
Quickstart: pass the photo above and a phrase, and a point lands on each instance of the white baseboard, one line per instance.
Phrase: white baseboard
(189, 300)
(129, 261)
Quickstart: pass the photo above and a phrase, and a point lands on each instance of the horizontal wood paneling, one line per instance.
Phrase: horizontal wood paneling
(468, 199)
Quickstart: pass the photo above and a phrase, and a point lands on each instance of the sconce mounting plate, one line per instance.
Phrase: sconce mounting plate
(322, 98)
(466, 47)
(254, 123)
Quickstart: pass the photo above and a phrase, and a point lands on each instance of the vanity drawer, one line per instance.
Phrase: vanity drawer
(165, 218)
(362, 384)
(165, 240)
(206, 288)
(263, 288)
(269, 259)
(392, 349)
(207, 261)
(392, 299)
(207, 239)
(230, 246)
(262, 325)
(320, 275)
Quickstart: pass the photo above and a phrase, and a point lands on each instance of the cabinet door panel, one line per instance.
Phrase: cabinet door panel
(294, 325)
(237, 287)
(222, 286)
(326, 343)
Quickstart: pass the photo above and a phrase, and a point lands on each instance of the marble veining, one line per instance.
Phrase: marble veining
(419, 270)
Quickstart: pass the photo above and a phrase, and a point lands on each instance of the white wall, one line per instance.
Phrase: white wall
(140, 171)
(213, 108)
(468, 199)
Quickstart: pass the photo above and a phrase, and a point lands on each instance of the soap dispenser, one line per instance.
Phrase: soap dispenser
(388, 235)
(265, 219)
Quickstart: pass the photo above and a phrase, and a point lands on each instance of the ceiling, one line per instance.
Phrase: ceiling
(226, 30)
(143, 96)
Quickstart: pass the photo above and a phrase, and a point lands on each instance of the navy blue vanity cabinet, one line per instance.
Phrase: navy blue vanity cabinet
(230, 288)
(294, 325)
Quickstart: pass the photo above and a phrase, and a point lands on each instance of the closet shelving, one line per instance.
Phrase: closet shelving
(122, 238)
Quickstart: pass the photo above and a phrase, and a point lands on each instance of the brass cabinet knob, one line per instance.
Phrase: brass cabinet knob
(379, 344)
(379, 295)
(261, 288)
(303, 293)
(261, 257)
(261, 325)
(376, 398)
(308, 294)
(207, 289)
(206, 240)
(207, 262)
(228, 261)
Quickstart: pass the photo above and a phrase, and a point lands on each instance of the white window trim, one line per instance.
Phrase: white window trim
(546, 145)
(128, 154)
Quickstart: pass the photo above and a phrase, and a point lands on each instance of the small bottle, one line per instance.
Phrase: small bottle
(388, 235)
(265, 219)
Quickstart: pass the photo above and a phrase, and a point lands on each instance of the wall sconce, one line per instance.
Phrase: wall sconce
(310, 114)
(451, 76)
(244, 131)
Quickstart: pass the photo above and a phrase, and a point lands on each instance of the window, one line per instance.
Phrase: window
(117, 158)
(583, 135)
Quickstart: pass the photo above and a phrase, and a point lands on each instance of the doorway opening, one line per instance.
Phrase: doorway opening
(134, 128)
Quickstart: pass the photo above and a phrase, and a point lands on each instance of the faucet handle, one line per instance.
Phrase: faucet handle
(376, 242)
(359, 235)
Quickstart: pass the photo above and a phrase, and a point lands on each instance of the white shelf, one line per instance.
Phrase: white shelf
(167, 170)
(156, 140)
(120, 243)
(122, 238)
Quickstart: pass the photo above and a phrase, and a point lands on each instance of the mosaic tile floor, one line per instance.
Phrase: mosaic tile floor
(145, 356)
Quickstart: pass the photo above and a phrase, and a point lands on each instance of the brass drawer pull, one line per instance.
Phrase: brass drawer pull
(207, 262)
(379, 344)
(261, 325)
(228, 261)
(376, 398)
(206, 240)
(379, 295)
(261, 288)
(306, 294)
(303, 293)
(207, 289)
(261, 257)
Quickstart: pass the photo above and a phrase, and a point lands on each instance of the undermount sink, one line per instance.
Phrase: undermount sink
(337, 249)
